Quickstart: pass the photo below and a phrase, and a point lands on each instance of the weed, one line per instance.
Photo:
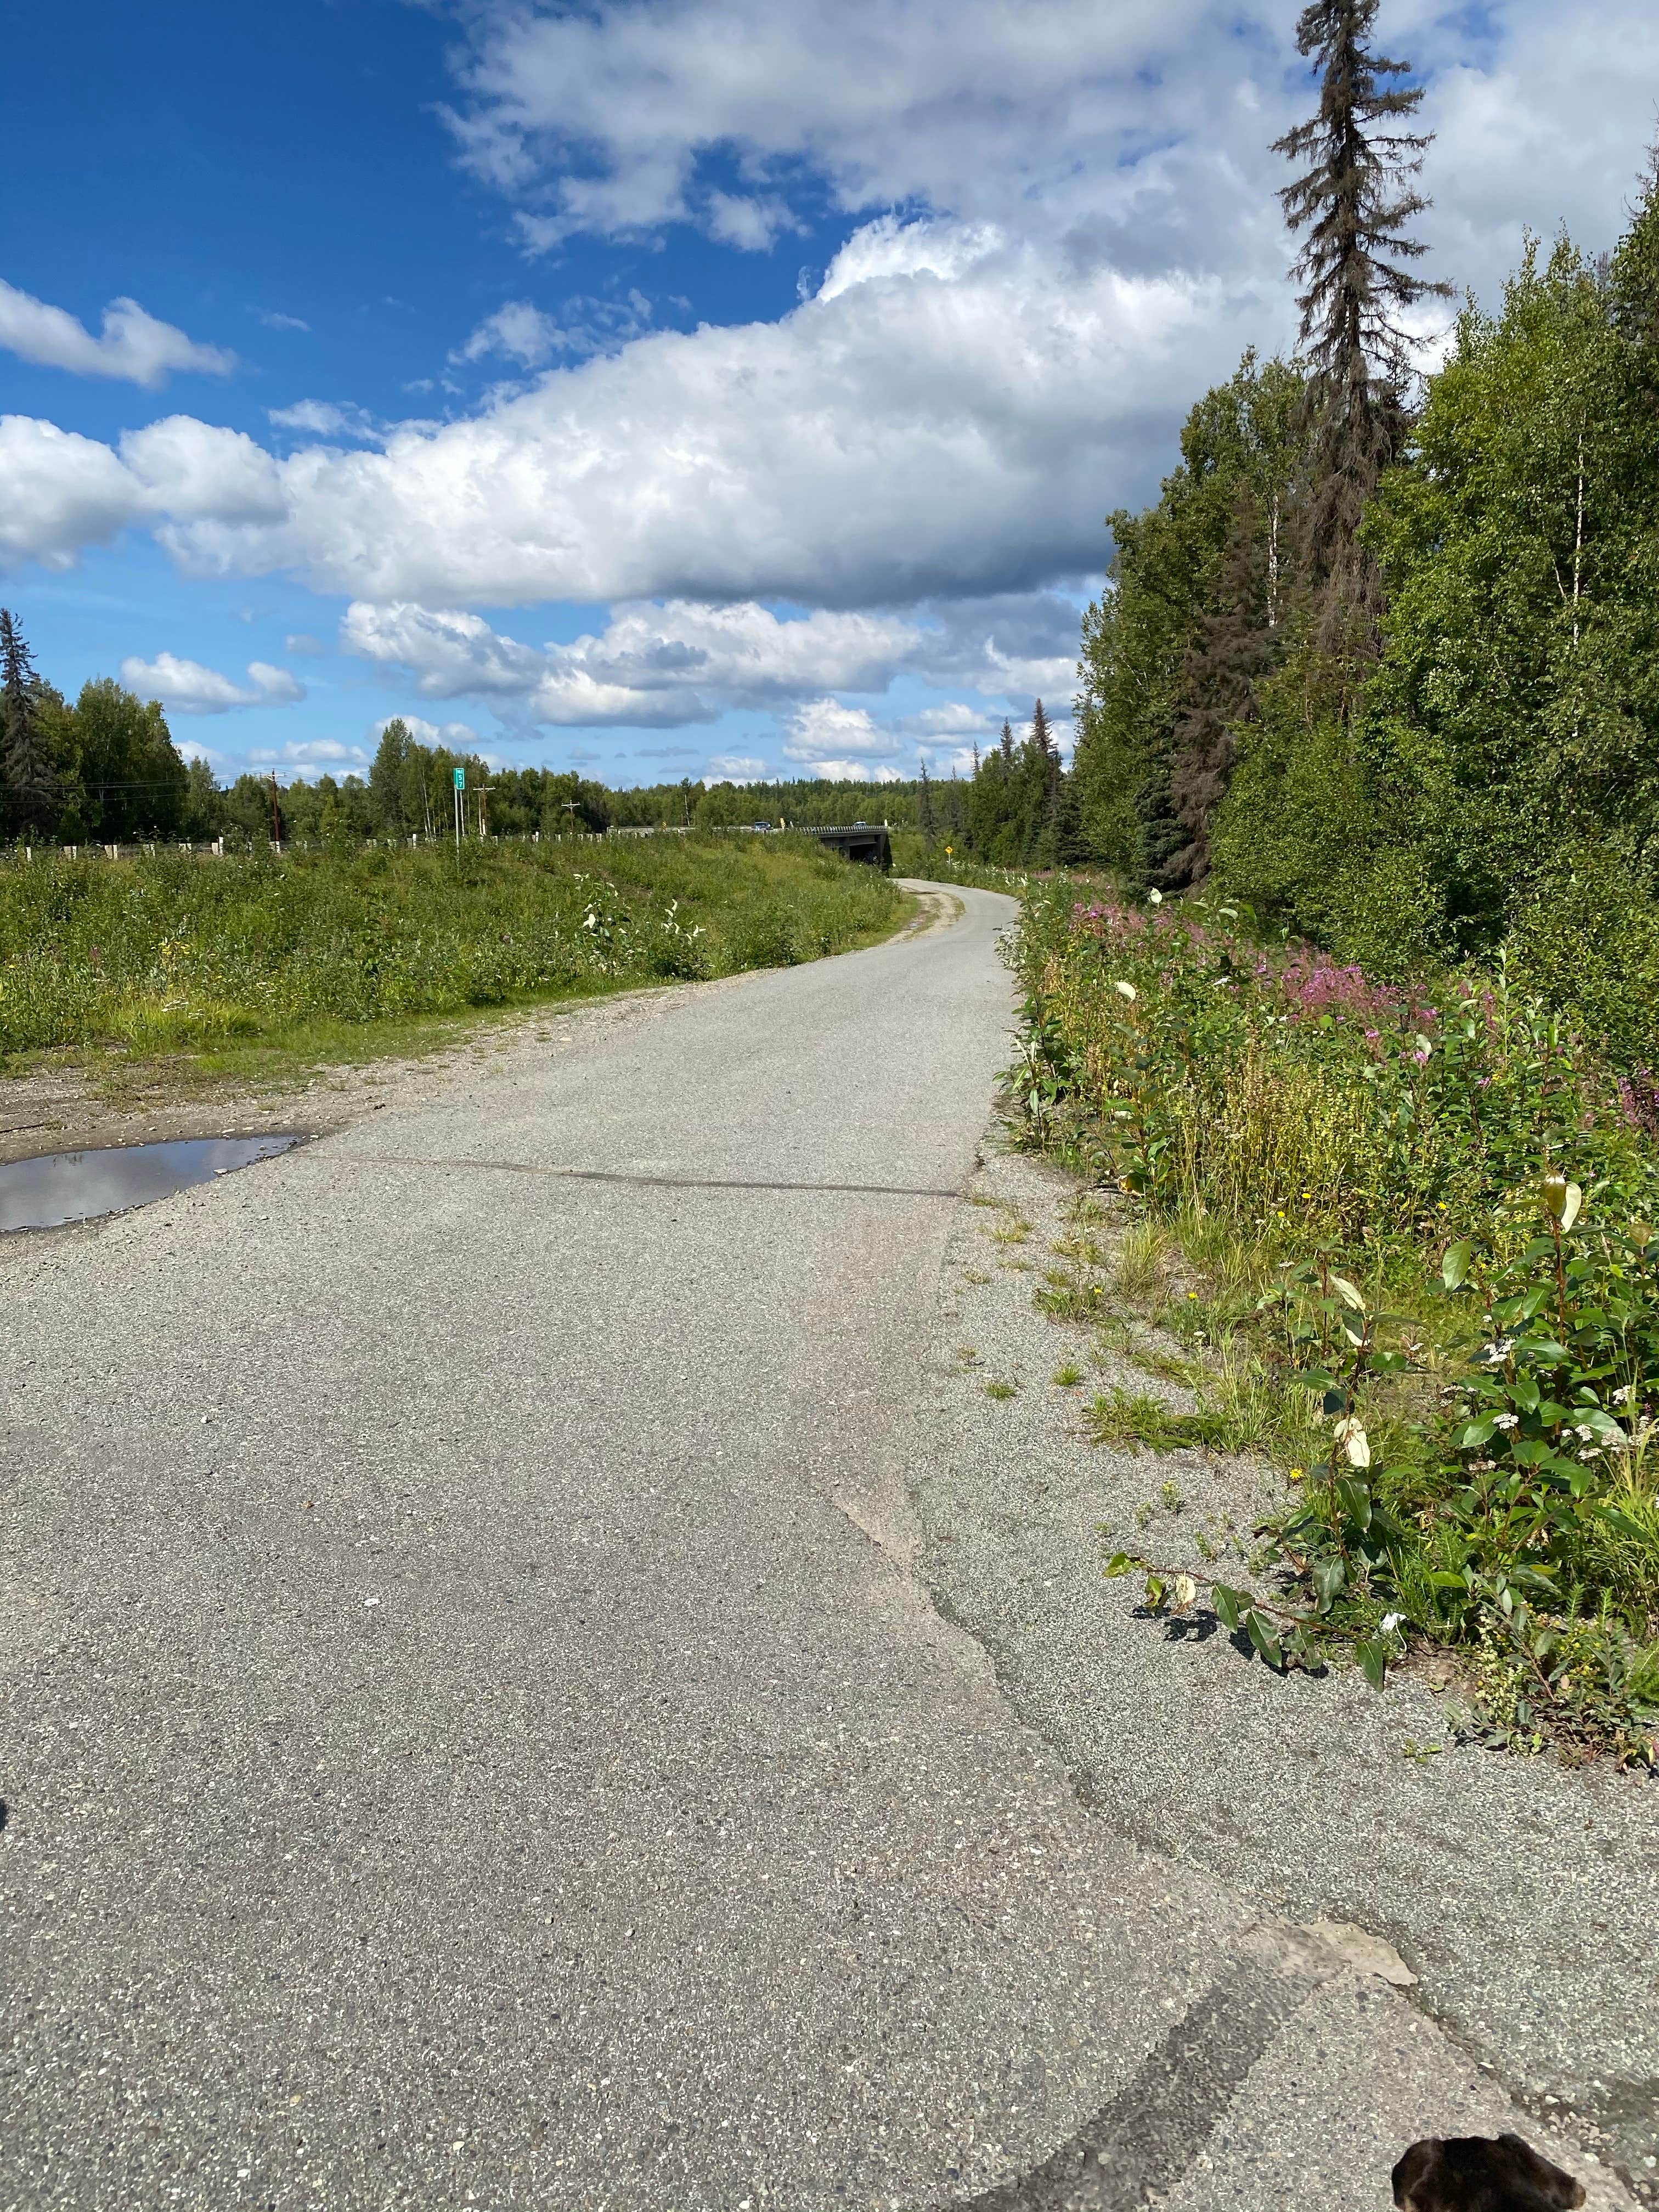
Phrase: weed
(1000, 1389)
(1068, 1374)
(1143, 1263)
(1408, 1233)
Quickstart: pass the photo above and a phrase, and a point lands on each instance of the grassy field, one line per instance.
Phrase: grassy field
(182, 953)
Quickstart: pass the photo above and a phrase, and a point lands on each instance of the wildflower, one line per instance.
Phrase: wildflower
(1508, 1421)
(1297, 1474)
(1355, 1444)
(1389, 1622)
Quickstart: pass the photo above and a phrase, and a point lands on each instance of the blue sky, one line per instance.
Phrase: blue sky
(660, 386)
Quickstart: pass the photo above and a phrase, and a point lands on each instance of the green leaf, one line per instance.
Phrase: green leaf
(1155, 1591)
(1226, 1603)
(1329, 1576)
(1625, 1525)
(1121, 1562)
(1355, 1500)
(1455, 1268)
(1373, 1656)
(1477, 1433)
(1262, 1637)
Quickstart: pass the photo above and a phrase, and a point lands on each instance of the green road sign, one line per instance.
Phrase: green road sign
(460, 779)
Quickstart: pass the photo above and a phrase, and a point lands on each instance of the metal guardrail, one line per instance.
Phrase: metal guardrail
(866, 842)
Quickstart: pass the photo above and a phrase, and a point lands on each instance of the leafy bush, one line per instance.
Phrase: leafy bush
(1487, 1481)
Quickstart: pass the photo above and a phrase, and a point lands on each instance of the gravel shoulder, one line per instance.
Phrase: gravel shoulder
(1521, 1895)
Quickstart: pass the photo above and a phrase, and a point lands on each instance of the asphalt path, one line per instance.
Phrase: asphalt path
(468, 1731)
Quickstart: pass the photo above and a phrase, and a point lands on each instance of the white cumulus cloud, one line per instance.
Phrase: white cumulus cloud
(186, 687)
(900, 436)
(735, 767)
(826, 732)
(651, 667)
(132, 344)
(520, 331)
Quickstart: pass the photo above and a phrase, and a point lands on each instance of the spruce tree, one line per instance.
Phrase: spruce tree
(25, 750)
(1353, 200)
(1232, 652)
(925, 806)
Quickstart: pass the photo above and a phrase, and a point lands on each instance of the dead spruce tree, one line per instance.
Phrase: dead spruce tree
(1352, 203)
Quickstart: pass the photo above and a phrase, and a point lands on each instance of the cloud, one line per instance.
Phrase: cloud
(752, 225)
(651, 667)
(827, 733)
(323, 753)
(326, 418)
(186, 687)
(950, 414)
(274, 321)
(1148, 124)
(457, 737)
(892, 439)
(133, 345)
(854, 771)
(60, 492)
(599, 120)
(520, 331)
(735, 767)
(304, 644)
(523, 333)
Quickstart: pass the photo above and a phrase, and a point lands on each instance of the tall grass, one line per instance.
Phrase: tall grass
(177, 951)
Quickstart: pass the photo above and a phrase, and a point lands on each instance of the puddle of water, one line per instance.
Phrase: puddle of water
(61, 1187)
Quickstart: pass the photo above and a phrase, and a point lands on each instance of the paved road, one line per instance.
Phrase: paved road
(468, 1733)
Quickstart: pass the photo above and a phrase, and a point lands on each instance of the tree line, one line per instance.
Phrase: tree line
(1384, 656)
(105, 769)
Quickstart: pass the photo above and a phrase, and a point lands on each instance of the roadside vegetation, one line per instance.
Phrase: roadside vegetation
(1407, 1239)
(177, 952)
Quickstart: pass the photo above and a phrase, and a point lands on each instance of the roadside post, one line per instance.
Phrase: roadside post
(460, 802)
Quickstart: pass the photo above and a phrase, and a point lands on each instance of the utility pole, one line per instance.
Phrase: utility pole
(485, 790)
(275, 814)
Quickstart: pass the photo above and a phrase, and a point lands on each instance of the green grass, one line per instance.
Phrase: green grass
(305, 957)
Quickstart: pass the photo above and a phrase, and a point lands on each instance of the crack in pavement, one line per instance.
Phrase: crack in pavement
(666, 1182)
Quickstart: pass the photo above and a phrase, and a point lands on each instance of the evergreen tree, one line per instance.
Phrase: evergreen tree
(1242, 440)
(924, 821)
(31, 780)
(1353, 200)
(1232, 651)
